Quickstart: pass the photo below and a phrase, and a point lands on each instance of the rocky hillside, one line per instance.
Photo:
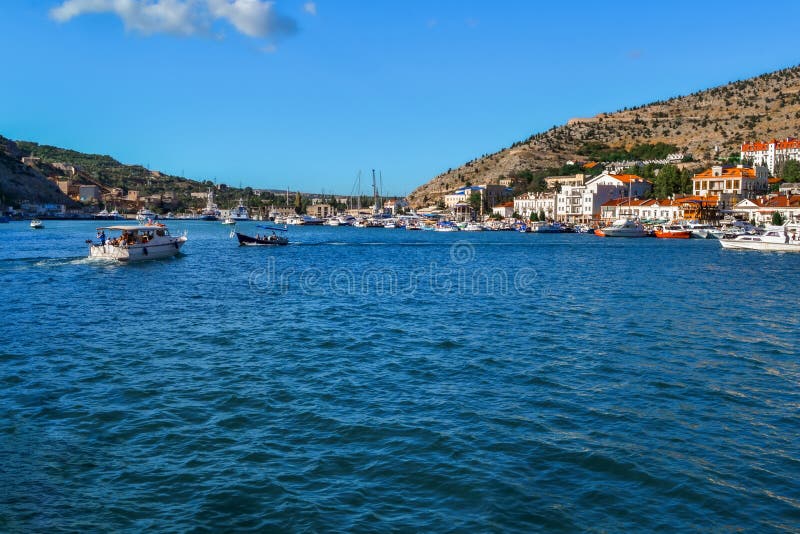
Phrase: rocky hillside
(710, 124)
(20, 182)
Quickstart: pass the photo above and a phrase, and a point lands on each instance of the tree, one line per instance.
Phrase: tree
(298, 203)
(542, 216)
(476, 201)
(791, 171)
(778, 219)
(534, 216)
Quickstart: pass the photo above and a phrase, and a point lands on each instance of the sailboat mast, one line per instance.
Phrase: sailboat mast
(374, 193)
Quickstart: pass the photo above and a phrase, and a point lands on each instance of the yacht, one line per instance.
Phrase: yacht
(301, 220)
(775, 238)
(473, 227)
(36, 224)
(136, 243)
(144, 215)
(700, 230)
(229, 220)
(239, 213)
(623, 228)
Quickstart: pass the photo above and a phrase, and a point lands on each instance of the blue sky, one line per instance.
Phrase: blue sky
(305, 94)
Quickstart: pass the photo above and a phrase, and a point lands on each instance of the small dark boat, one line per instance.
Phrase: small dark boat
(262, 240)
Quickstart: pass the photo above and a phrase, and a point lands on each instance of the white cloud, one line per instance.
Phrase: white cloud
(310, 8)
(254, 18)
(161, 16)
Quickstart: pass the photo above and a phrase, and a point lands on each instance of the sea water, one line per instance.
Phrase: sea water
(374, 380)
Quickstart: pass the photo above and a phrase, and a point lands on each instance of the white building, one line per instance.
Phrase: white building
(761, 209)
(505, 210)
(534, 204)
(582, 204)
(643, 209)
(771, 154)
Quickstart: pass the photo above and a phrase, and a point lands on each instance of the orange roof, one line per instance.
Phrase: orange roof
(727, 172)
(590, 165)
(762, 146)
(778, 201)
(505, 205)
(775, 180)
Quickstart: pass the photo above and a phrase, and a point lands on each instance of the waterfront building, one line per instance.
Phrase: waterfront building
(581, 204)
(505, 209)
(320, 211)
(761, 209)
(731, 184)
(534, 204)
(771, 154)
(643, 209)
(491, 194)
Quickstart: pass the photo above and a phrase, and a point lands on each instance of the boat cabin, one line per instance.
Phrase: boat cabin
(132, 235)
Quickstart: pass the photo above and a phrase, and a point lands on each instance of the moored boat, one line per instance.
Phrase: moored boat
(775, 239)
(136, 243)
(623, 228)
(672, 231)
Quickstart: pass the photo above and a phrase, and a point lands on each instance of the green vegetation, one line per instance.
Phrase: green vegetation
(602, 152)
(778, 219)
(791, 171)
(671, 181)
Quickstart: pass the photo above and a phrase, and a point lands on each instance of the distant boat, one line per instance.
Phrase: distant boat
(300, 220)
(239, 213)
(473, 227)
(229, 220)
(36, 224)
(446, 226)
(144, 215)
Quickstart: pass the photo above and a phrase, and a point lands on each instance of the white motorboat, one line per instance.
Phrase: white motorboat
(36, 224)
(301, 220)
(446, 226)
(135, 243)
(473, 227)
(239, 213)
(623, 228)
(144, 215)
(229, 220)
(775, 238)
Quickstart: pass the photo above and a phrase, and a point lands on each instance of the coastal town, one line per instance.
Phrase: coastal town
(750, 190)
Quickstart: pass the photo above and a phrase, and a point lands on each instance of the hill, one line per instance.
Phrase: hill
(19, 182)
(710, 124)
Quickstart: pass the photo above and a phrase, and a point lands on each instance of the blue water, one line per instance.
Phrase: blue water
(375, 380)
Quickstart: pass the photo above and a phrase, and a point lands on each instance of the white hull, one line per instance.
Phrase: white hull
(138, 252)
(736, 244)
